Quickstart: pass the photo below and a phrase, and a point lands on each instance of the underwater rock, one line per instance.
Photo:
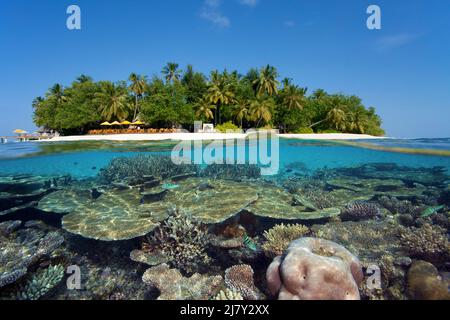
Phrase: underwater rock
(425, 283)
(239, 278)
(315, 269)
(429, 242)
(173, 286)
(360, 210)
(120, 186)
(278, 238)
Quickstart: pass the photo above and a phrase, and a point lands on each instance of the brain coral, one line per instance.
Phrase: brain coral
(315, 269)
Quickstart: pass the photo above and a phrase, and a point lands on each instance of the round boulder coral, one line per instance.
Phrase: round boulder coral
(315, 269)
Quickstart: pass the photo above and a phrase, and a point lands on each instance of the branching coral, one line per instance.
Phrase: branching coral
(182, 240)
(396, 206)
(143, 165)
(233, 172)
(280, 236)
(360, 210)
(239, 278)
(428, 242)
(39, 284)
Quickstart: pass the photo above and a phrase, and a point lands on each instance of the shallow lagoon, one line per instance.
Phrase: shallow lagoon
(104, 207)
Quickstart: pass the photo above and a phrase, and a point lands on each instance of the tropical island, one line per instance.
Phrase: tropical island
(176, 99)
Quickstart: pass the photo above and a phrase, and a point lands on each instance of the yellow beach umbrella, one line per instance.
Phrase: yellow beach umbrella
(106, 124)
(20, 131)
(137, 123)
(115, 123)
(125, 123)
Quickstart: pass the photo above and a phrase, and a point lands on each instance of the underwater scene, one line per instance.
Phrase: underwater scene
(104, 220)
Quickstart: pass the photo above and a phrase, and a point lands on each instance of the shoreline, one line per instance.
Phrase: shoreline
(183, 136)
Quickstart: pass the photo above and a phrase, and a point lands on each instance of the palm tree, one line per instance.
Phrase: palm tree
(220, 92)
(358, 121)
(293, 97)
(171, 72)
(337, 118)
(260, 110)
(203, 109)
(242, 110)
(57, 94)
(112, 101)
(84, 78)
(138, 85)
(267, 81)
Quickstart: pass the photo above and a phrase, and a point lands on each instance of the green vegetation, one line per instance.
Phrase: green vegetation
(178, 98)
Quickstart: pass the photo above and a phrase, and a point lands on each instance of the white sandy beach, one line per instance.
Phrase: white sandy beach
(206, 136)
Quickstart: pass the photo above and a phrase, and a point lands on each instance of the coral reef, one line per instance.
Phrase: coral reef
(396, 206)
(181, 240)
(228, 294)
(233, 172)
(39, 283)
(278, 238)
(360, 210)
(315, 269)
(19, 249)
(134, 169)
(239, 278)
(173, 286)
(424, 282)
(428, 242)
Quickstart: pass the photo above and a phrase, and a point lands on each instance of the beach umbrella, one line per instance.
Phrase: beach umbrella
(20, 131)
(106, 124)
(115, 123)
(126, 123)
(137, 123)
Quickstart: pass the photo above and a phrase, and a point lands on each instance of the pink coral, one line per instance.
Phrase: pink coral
(315, 269)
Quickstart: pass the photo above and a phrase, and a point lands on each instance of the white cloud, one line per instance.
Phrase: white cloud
(249, 3)
(210, 11)
(396, 41)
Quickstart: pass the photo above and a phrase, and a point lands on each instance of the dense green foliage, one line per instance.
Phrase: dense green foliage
(178, 98)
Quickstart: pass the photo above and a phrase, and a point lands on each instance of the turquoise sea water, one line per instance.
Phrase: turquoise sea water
(85, 159)
(135, 223)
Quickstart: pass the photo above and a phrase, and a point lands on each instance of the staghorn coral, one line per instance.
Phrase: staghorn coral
(428, 242)
(396, 206)
(280, 236)
(315, 269)
(39, 284)
(136, 168)
(182, 240)
(360, 210)
(231, 171)
(173, 286)
(228, 295)
(239, 278)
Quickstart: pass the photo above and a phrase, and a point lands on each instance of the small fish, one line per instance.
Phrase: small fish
(429, 211)
(170, 186)
(249, 243)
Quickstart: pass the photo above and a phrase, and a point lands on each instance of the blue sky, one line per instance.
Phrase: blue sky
(403, 69)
